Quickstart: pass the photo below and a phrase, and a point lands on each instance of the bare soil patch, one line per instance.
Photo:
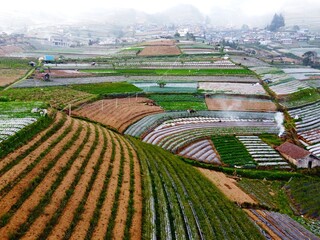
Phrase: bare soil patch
(8, 76)
(240, 105)
(118, 113)
(160, 50)
(62, 74)
(227, 186)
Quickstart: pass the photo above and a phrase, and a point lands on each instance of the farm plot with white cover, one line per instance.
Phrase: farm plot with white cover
(15, 116)
(148, 123)
(174, 134)
(262, 153)
(308, 128)
(280, 226)
(302, 73)
(289, 87)
(231, 88)
(202, 151)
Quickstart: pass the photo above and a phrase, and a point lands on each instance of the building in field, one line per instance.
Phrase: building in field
(298, 156)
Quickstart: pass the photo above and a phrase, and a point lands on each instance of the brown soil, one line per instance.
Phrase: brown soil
(135, 230)
(8, 76)
(118, 113)
(101, 227)
(62, 74)
(41, 222)
(83, 225)
(12, 156)
(22, 213)
(17, 169)
(227, 186)
(239, 105)
(160, 50)
(162, 42)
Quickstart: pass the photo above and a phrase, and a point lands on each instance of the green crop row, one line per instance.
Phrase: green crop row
(182, 204)
(232, 151)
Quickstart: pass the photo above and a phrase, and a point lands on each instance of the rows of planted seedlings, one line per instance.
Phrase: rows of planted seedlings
(195, 208)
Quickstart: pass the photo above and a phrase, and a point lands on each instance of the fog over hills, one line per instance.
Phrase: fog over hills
(304, 14)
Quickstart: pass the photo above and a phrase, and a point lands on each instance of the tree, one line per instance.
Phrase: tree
(309, 58)
(161, 83)
(177, 35)
(276, 23)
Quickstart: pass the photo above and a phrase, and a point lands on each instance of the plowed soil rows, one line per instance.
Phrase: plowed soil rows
(12, 156)
(240, 104)
(8, 76)
(86, 185)
(160, 50)
(118, 113)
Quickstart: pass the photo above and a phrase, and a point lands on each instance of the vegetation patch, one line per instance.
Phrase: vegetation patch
(301, 98)
(271, 139)
(179, 102)
(107, 88)
(232, 151)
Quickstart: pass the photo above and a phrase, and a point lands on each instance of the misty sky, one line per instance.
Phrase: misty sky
(74, 7)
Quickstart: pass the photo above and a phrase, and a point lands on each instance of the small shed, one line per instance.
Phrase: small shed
(298, 156)
(48, 59)
(46, 77)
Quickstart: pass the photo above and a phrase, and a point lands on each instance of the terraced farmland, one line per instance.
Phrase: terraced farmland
(175, 134)
(202, 151)
(232, 151)
(231, 88)
(174, 206)
(117, 113)
(75, 180)
(262, 153)
(266, 120)
(233, 103)
(57, 97)
(308, 127)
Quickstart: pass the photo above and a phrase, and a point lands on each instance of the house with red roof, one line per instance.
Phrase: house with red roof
(298, 156)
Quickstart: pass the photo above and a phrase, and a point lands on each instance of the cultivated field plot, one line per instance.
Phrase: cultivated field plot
(8, 76)
(57, 97)
(16, 116)
(74, 180)
(118, 113)
(160, 51)
(287, 88)
(178, 87)
(62, 74)
(304, 195)
(107, 88)
(231, 88)
(12, 69)
(280, 226)
(151, 122)
(249, 61)
(267, 71)
(308, 125)
(302, 73)
(232, 151)
(223, 64)
(191, 51)
(263, 154)
(202, 151)
(179, 102)
(174, 206)
(267, 193)
(233, 103)
(175, 134)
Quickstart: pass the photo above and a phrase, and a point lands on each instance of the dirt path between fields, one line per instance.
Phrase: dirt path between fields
(227, 186)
